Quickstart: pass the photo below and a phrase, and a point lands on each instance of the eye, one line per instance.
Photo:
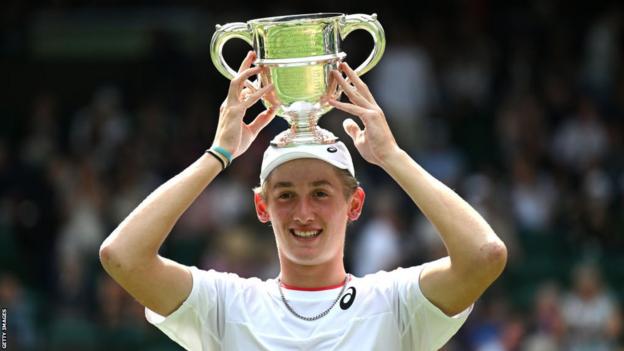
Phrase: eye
(320, 194)
(285, 196)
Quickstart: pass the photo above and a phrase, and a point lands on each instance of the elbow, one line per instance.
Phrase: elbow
(493, 258)
(485, 261)
(120, 258)
(107, 255)
(113, 257)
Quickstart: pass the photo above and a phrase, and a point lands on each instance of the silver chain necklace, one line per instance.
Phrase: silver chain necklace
(318, 316)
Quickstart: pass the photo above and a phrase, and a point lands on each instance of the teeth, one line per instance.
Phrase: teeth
(305, 234)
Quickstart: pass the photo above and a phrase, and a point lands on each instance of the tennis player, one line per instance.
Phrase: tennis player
(308, 194)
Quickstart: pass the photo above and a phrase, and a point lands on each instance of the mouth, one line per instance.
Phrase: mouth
(305, 234)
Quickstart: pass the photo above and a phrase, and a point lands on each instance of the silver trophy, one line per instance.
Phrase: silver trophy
(299, 52)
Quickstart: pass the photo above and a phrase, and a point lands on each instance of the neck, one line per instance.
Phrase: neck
(314, 276)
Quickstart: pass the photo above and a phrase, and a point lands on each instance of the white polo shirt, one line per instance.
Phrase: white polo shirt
(381, 311)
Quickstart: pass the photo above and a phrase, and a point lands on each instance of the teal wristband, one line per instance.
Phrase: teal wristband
(223, 152)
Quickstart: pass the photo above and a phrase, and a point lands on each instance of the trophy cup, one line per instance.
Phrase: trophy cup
(298, 53)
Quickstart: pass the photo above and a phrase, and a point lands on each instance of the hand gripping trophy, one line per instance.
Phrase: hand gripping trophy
(298, 53)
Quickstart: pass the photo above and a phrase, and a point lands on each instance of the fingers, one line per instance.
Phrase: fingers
(262, 120)
(357, 82)
(351, 128)
(255, 96)
(349, 108)
(249, 85)
(245, 94)
(249, 89)
(333, 85)
(239, 81)
(331, 91)
(351, 91)
(247, 61)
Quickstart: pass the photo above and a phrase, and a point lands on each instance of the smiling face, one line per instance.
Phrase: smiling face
(305, 202)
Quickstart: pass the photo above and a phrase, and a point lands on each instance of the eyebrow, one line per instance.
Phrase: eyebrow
(315, 183)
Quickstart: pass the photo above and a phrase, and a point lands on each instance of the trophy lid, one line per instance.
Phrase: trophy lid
(300, 17)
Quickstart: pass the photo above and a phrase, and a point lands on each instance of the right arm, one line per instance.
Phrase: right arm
(474, 250)
(130, 253)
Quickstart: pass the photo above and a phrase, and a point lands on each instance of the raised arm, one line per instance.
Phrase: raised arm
(476, 255)
(130, 253)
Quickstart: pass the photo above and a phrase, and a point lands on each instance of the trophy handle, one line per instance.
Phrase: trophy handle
(372, 26)
(224, 33)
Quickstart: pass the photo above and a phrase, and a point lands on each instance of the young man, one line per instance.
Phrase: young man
(308, 194)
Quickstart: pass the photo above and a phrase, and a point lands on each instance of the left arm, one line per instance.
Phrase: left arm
(477, 256)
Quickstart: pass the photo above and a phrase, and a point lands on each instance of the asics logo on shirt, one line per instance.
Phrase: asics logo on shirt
(347, 299)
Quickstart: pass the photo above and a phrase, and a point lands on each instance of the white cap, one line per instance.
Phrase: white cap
(335, 154)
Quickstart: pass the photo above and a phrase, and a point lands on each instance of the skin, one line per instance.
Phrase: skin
(300, 200)
(476, 256)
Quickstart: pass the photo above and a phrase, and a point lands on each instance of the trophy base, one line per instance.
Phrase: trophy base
(316, 135)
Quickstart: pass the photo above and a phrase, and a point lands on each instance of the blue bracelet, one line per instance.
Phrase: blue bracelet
(223, 152)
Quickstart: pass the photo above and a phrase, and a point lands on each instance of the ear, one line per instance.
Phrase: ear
(261, 209)
(356, 204)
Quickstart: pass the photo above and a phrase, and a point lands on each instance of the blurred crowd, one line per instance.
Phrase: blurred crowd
(518, 108)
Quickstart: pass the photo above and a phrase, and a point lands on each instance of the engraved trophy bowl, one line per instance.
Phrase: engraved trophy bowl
(298, 53)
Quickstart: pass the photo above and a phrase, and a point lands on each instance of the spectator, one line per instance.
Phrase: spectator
(591, 315)
(580, 140)
(547, 325)
(533, 196)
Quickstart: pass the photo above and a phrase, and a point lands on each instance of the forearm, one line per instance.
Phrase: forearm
(137, 239)
(469, 239)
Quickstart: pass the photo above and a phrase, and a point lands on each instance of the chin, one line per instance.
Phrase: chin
(309, 259)
(306, 260)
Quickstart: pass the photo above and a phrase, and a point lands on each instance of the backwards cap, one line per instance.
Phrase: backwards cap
(335, 154)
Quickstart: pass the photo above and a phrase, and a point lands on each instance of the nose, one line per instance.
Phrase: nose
(303, 211)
